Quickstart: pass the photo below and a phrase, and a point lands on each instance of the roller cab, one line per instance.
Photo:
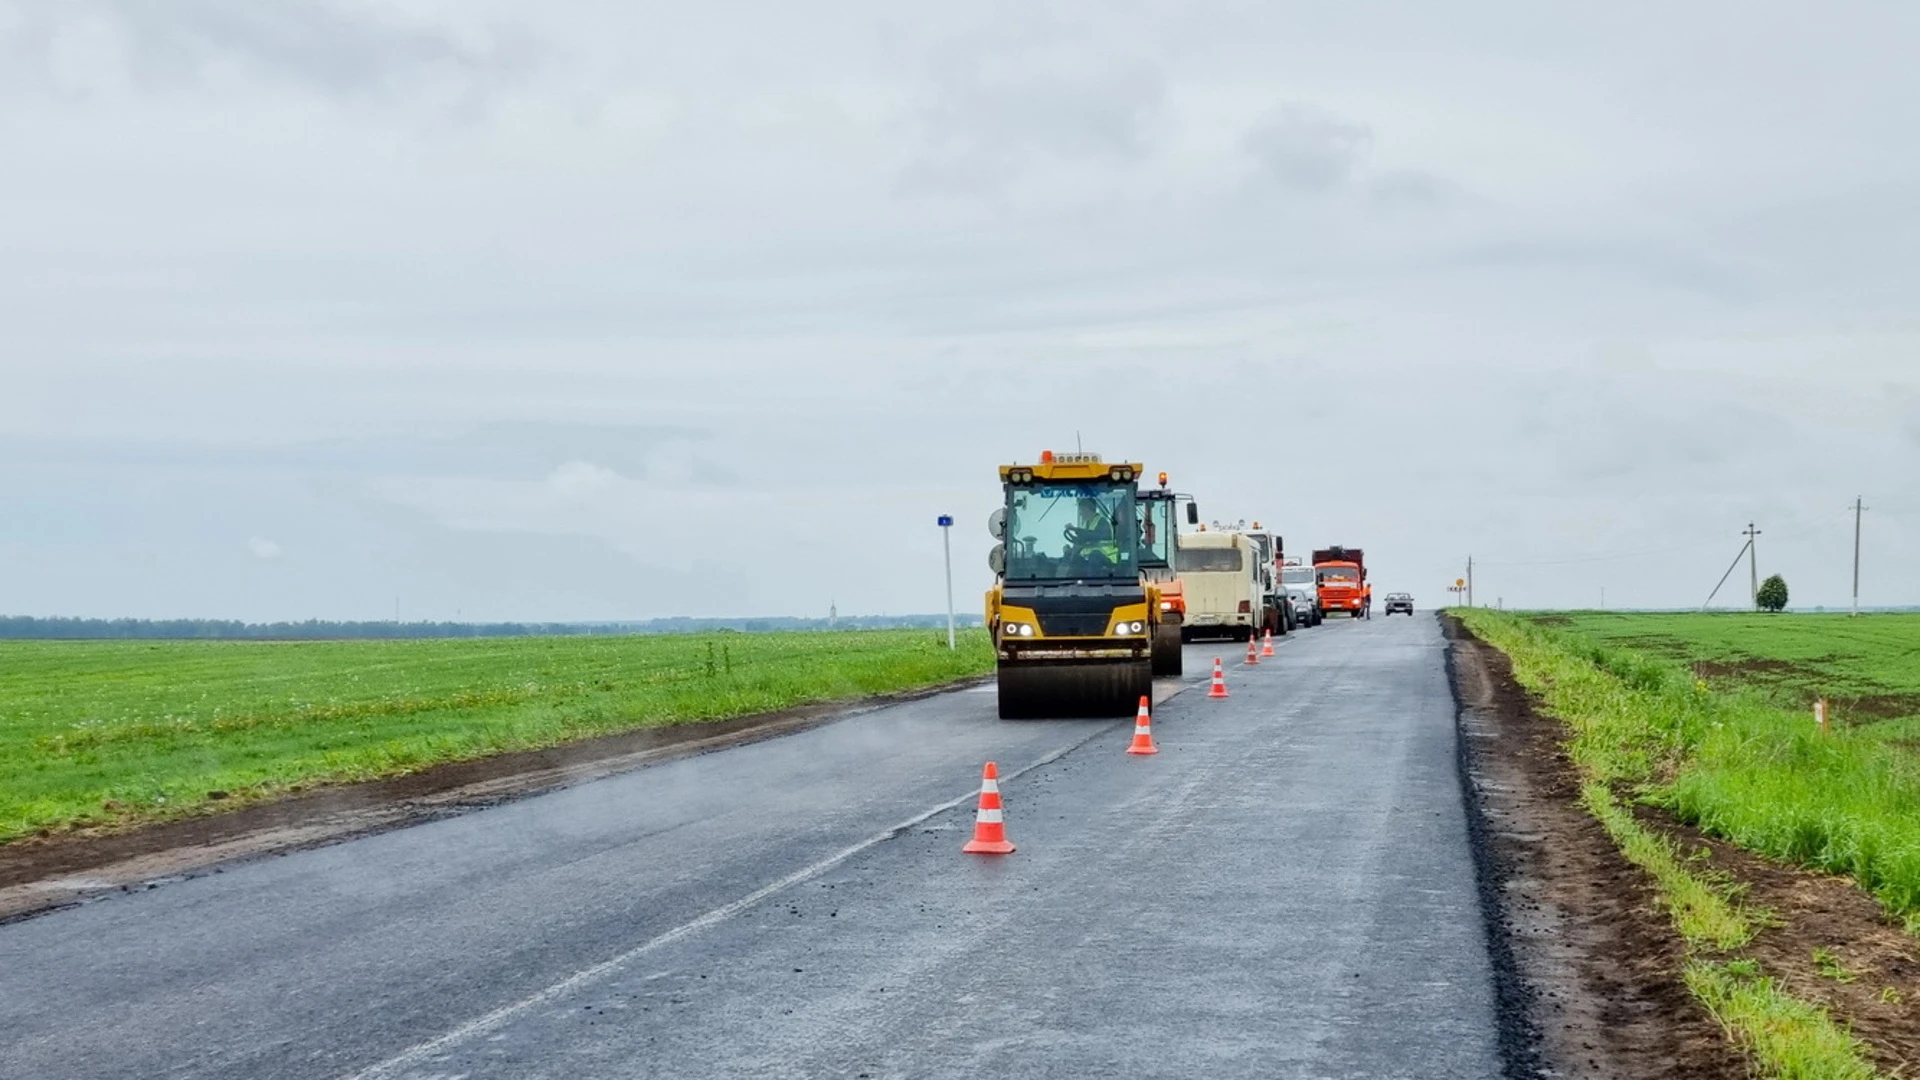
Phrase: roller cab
(1159, 527)
(1072, 615)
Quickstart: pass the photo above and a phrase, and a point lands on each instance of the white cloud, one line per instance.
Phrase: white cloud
(580, 479)
(1355, 271)
(263, 548)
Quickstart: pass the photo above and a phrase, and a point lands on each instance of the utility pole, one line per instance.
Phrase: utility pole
(1469, 581)
(1753, 564)
(1859, 508)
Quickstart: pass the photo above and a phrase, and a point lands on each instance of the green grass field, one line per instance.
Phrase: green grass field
(1869, 667)
(98, 733)
(1710, 717)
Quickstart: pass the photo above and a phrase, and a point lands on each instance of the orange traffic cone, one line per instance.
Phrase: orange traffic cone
(1267, 649)
(1253, 649)
(1143, 732)
(989, 830)
(1219, 680)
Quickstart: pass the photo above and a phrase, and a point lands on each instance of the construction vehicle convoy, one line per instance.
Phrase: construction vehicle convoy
(1072, 614)
(1096, 586)
(1341, 573)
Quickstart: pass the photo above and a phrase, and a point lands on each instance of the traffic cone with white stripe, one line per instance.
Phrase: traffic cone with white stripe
(989, 829)
(1267, 648)
(1143, 732)
(1253, 650)
(1219, 680)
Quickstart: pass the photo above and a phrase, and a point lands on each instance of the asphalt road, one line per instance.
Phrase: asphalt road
(1285, 890)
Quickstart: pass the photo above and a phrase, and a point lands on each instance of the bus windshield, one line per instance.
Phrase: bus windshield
(1072, 529)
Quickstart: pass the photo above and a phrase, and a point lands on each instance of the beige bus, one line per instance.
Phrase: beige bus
(1220, 573)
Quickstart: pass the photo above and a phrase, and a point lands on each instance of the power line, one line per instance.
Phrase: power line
(1816, 526)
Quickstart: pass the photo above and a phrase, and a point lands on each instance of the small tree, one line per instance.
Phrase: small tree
(1773, 594)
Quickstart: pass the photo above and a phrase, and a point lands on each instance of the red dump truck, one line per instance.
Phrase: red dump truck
(1341, 574)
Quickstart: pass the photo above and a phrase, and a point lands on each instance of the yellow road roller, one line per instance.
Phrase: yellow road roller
(1072, 614)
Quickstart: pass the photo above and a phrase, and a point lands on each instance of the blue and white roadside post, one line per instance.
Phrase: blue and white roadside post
(946, 541)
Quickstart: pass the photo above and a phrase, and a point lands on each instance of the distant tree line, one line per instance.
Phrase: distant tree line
(27, 627)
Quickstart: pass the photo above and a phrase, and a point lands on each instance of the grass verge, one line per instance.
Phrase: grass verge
(1642, 729)
(115, 733)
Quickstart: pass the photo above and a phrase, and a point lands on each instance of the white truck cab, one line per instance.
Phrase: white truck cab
(1300, 581)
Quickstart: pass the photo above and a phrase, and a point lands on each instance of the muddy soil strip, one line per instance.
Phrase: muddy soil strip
(1593, 963)
(39, 874)
(1872, 979)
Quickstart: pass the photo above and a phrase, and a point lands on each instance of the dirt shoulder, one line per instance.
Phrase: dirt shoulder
(39, 874)
(1588, 966)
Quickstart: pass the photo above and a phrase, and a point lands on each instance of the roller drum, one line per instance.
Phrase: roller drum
(1038, 691)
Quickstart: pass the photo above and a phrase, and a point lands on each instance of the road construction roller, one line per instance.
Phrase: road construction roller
(1072, 614)
(1159, 525)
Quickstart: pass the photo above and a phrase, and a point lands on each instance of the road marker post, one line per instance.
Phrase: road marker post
(945, 521)
(989, 827)
(1143, 731)
(1820, 714)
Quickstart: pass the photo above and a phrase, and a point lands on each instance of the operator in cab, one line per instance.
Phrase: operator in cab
(1093, 542)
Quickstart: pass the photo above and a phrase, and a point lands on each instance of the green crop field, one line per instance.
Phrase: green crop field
(1709, 716)
(1868, 667)
(109, 733)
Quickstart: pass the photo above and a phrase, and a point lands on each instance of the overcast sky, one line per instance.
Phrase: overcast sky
(586, 309)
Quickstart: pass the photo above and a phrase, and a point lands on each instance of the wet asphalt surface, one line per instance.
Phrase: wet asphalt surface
(1285, 890)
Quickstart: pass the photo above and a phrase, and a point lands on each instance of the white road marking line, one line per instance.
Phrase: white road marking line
(418, 1053)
